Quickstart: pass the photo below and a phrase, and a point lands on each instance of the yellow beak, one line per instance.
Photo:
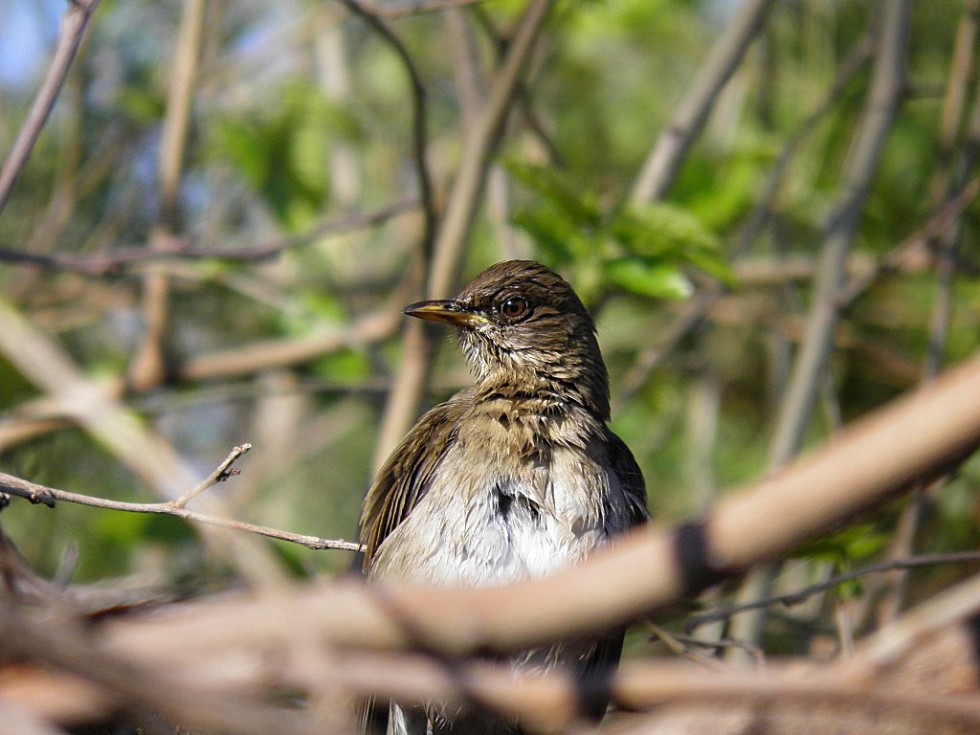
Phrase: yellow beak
(446, 312)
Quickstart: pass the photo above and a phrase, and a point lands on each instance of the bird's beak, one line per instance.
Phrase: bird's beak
(447, 312)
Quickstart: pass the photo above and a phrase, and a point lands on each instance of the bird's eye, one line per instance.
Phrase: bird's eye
(514, 308)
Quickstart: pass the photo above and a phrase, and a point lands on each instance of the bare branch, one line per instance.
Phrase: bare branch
(48, 496)
(796, 404)
(799, 596)
(419, 120)
(886, 89)
(916, 437)
(664, 161)
(125, 259)
(912, 248)
(221, 473)
(73, 24)
(263, 355)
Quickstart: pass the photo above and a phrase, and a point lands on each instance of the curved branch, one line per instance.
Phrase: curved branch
(420, 141)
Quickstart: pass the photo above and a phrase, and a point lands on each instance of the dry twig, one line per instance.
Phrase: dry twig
(40, 494)
(73, 24)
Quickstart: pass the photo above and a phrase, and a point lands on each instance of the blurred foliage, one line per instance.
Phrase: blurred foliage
(302, 115)
(637, 249)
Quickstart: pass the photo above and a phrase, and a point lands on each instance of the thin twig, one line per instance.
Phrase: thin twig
(420, 141)
(680, 648)
(73, 24)
(48, 496)
(120, 261)
(800, 596)
(910, 248)
(221, 473)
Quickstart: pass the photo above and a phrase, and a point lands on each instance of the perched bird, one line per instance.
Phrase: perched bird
(513, 478)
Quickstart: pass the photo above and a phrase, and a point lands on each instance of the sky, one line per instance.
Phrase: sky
(28, 29)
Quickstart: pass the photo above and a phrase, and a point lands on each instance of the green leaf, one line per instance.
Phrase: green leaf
(645, 277)
(670, 234)
(661, 230)
(579, 205)
(846, 547)
(241, 143)
(554, 234)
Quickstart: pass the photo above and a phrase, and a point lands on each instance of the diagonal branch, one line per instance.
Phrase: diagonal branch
(73, 24)
(868, 463)
(793, 418)
(664, 162)
(464, 200)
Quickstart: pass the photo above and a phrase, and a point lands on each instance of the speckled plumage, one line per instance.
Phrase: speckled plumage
(516, 477)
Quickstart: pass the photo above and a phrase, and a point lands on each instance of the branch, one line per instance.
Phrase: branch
(40, 494)
(554, 702)
(664, 162)
(221, 473)
(800, 596)
(796, 404)
(73, 24)
(419, 120)
(868, 463)
(886, 88)
(418, 343)
(122, 260)
(269, 354)
(938, 227)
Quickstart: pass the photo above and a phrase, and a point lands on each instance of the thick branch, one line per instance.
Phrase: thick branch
(916, 437)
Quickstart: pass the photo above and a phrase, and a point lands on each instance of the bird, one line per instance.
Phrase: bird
(513, 478)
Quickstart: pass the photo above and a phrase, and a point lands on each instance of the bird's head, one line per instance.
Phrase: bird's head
(520, 324)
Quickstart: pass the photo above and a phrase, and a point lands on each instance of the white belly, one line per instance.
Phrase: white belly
(514, 527)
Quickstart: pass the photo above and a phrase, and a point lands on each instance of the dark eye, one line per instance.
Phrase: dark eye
(514, 307)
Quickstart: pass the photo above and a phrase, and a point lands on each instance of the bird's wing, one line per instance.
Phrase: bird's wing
(406, 476)
(400, 485)
(630, 478)
(601, 664)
